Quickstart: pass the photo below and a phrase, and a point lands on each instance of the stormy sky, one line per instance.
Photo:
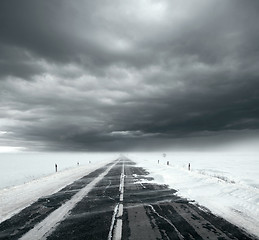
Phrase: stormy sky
(128, 75)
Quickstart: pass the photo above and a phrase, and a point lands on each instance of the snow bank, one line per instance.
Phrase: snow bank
(225, 183)
(14, 199)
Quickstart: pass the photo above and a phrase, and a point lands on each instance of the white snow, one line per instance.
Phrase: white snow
(43, 229)
(225, 183)
(18, 168)
(14, 199)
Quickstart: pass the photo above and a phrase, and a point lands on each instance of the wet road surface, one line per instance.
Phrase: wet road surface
(114, 203)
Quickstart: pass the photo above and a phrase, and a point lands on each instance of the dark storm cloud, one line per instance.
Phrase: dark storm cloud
(15, 61)
(102, 75)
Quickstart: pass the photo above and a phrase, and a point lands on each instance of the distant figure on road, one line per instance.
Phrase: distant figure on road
(158, 161)
(167, 162)
(189, 167)
(77, 163)
(56, 167)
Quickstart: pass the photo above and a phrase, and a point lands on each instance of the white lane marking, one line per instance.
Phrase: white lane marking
(122, 183)
(118, 230)
(121, 188)
(43, 229)
(120, 212)
(113, 221)
(115, 232)
(178, 233)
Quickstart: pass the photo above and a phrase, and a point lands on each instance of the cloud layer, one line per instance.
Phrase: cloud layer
(126, 75)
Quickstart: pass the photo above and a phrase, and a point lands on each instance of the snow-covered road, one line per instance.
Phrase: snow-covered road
(227, 184)
(14, 199)
(43, 229)
(117, 201)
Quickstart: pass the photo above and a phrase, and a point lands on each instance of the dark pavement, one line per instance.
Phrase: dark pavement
(118, 206)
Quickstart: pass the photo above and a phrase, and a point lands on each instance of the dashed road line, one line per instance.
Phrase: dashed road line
(115, 232)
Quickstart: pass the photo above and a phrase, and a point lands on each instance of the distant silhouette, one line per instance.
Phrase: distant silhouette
(167, 162)
(189, 167)
(158, 161)
(56, 167)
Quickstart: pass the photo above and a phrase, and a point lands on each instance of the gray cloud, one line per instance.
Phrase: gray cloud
(99, 75)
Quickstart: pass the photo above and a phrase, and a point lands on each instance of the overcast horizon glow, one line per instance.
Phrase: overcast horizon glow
(134, 75)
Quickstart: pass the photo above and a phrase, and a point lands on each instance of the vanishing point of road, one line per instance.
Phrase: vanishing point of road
(113, 202)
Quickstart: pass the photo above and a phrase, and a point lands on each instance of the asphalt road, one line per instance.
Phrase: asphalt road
(113, 203)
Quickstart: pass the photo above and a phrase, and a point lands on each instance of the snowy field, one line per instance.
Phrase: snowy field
(25, 177)
(18, 168)
(225, 183)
